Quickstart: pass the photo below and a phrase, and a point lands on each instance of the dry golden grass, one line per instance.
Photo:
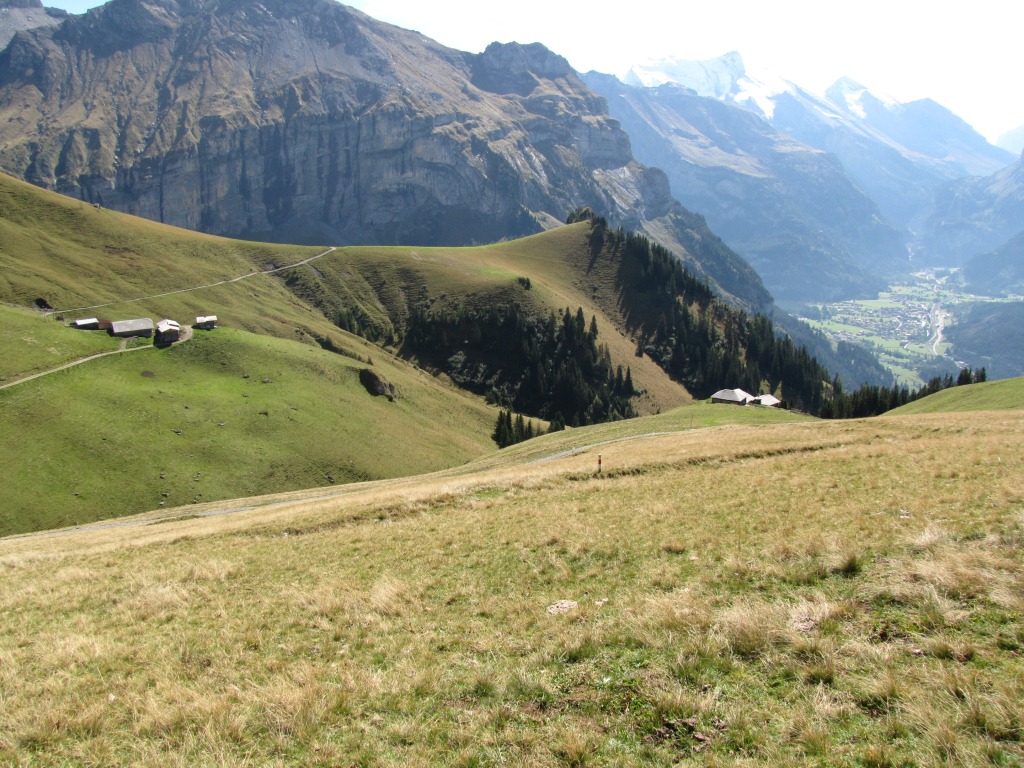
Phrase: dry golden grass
(793, 594)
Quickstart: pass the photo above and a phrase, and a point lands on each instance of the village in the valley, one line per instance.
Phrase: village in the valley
(907, 325)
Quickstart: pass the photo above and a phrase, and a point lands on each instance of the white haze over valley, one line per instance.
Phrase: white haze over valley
(965, 57)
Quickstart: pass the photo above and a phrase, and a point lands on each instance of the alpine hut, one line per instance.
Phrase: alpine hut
(142, 326)
(168, 331)
(732, 396)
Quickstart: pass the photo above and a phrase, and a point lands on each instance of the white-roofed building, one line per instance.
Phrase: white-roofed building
(732, 396)
(168, 331)
(142, 326)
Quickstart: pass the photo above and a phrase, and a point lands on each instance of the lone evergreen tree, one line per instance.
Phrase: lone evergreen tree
(503, 432)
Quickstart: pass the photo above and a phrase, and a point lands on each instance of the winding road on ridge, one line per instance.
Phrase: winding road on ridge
(186, 332)
(199, 287)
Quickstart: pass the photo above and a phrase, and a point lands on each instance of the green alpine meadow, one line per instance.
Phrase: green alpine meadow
(291, 538)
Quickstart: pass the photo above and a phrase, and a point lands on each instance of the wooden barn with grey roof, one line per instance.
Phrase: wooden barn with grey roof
(142, 326)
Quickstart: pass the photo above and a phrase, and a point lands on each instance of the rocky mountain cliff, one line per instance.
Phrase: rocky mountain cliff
(18, 15)
(307, 121)
(789, 209)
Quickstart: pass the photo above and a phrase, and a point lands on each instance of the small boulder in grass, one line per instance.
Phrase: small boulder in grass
(562, 606)
(376, 385)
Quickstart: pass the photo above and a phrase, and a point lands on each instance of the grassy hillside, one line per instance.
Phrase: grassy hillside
(98, 440)
(782, 593)
(1002, 395)
(92, 441)
(34, 343)
(75, 257)
(226, 414)
(383, 284)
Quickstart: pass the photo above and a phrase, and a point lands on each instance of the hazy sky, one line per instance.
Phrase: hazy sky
(966, 56)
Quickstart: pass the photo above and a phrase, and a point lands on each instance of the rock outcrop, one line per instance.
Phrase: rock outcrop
(19, 15)
(376, 385)
(307, 121)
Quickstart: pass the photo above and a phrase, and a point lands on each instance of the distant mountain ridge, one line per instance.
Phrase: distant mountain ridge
(788, 208)
(980, 218)
(898, 153)
(307, 121)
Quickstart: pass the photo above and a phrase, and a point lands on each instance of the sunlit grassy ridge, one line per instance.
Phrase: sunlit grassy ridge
(76, 257)
(93, 441)
(780, 593)
(381, 284)
(1006, 394)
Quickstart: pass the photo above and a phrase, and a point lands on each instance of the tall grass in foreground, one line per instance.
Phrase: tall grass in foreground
(792, 594)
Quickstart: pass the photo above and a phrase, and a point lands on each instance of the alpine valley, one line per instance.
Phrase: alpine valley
(459, 463)
(310, 122)
(832, 196)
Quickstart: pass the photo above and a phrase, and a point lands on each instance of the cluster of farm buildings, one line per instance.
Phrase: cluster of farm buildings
(739, 397)
(165, 331)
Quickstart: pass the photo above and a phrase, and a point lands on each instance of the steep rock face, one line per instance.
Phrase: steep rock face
(19, 15)
(307, 121)
(977, 216)
(791, 210)
(288, 120)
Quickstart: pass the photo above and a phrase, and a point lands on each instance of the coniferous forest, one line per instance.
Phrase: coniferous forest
(708, 345)
(868, 400)
(697, 338)
(552, 367)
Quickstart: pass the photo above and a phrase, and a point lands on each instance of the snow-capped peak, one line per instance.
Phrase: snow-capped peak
(725, 78)
(715, 77)
(855, 98)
